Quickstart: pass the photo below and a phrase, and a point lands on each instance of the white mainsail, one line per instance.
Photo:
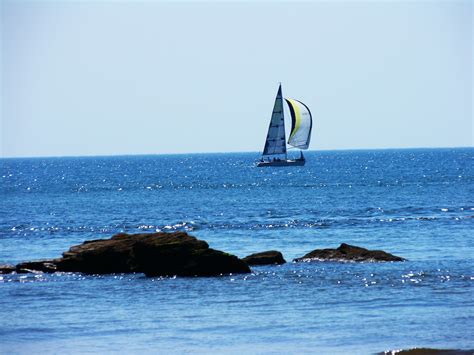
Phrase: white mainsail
(301, 124)
(275, 142)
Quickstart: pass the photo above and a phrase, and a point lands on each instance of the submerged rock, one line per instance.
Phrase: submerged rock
(347, 252)
(155, 254)
(37, 266)
(7, 269)
(428, 351)
(265, 258)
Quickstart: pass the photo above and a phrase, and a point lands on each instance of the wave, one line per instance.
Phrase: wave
(189, 226)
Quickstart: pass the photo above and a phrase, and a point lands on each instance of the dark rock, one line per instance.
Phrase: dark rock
(429, 351)
(37, 266)
(265, 258)
(347, 252)
(181, 254)
(7, 269)
(155, 254)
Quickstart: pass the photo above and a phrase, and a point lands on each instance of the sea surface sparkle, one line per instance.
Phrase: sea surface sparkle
(418, 204)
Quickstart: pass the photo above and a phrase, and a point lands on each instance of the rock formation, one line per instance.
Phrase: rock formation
(154, 254)
(347, 252)
(265, 258)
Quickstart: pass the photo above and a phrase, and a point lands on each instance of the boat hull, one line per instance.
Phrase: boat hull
(287, 162)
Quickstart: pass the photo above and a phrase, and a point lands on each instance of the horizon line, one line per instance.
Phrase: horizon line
(228, 152)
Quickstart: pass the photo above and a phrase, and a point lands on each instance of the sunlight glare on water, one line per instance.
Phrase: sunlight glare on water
(418, 204)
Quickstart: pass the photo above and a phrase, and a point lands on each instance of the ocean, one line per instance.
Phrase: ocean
(414, 203)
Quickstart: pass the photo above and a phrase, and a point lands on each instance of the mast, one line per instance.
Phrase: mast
(283, 119)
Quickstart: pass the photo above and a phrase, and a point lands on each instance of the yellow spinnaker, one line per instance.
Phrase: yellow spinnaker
(296, 110)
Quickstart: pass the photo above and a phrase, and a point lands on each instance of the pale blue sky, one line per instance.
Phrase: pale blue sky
(152, 77)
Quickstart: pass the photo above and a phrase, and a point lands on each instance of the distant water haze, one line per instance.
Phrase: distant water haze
(154, 77)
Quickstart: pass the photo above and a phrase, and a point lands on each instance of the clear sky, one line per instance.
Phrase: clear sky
(153, 77)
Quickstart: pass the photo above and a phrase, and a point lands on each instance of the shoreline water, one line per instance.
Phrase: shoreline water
(416, 204)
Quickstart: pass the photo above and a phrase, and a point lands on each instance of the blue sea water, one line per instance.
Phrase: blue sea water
(418, 204)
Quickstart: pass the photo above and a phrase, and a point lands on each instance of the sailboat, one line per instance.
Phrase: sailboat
(275, 150)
